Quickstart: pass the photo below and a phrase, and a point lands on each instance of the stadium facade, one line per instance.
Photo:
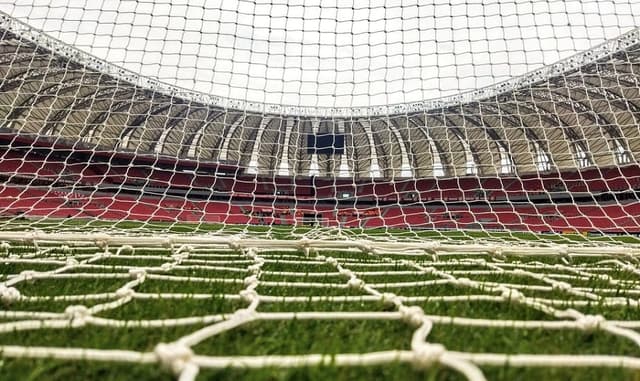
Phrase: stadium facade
(554, 150)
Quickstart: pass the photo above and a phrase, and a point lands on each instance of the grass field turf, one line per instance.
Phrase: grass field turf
(312, 336)
(287, 232)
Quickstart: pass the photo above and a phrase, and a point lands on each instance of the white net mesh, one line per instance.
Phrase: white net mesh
(490, 146)
(197, 295)
(103, 118)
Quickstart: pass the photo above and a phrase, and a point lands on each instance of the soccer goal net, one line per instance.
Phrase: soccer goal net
(252, 186)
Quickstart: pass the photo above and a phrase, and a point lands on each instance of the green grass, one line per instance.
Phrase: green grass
(84, 370)
(54, 287)
(289, 232)
(533, 341)
(483, 310)
(138, 339)
(307, 291)
(287, 337)
(173, 308)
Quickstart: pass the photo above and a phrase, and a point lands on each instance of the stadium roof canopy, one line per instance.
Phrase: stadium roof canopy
(579, 112)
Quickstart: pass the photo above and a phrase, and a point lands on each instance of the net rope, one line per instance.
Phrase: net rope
(243, 262)
(337, 154)
(189, 117)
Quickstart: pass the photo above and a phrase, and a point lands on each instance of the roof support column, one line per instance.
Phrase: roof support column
(374, 168)
(283, 168)
(343, 169)
(314, 168)
(224, 151)
(405, 166)
(255, 150)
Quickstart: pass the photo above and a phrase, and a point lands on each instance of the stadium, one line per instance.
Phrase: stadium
(154, 231)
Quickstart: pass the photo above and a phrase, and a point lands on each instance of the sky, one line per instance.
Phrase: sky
(330, 53)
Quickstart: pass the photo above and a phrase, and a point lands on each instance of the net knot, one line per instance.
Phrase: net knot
(101, 240)
(511, 294)
(303, 243)
(234, 244)
(412, 315)
(173, 356)
(78, 314)
(28, 275)
(390, 299)
(251, 280)
(431, 247)
(496, 251)
(356, 283)
(124, 292)
(179, 257)
(248, 295)
(427, 354)
(564, 286)
(465, 282)
(186, 249)
(167, 242)
(429, 270)
(33, 236)
(125, 249)
(4, 247)
(590, 322)
(332, 261)
(605, 277)
(346, 272)
(243, 314)
(137, 273)
(254, 269)
(72, 262)
(366, 247)
(166, 266)
(65, 249)
(9, 294)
